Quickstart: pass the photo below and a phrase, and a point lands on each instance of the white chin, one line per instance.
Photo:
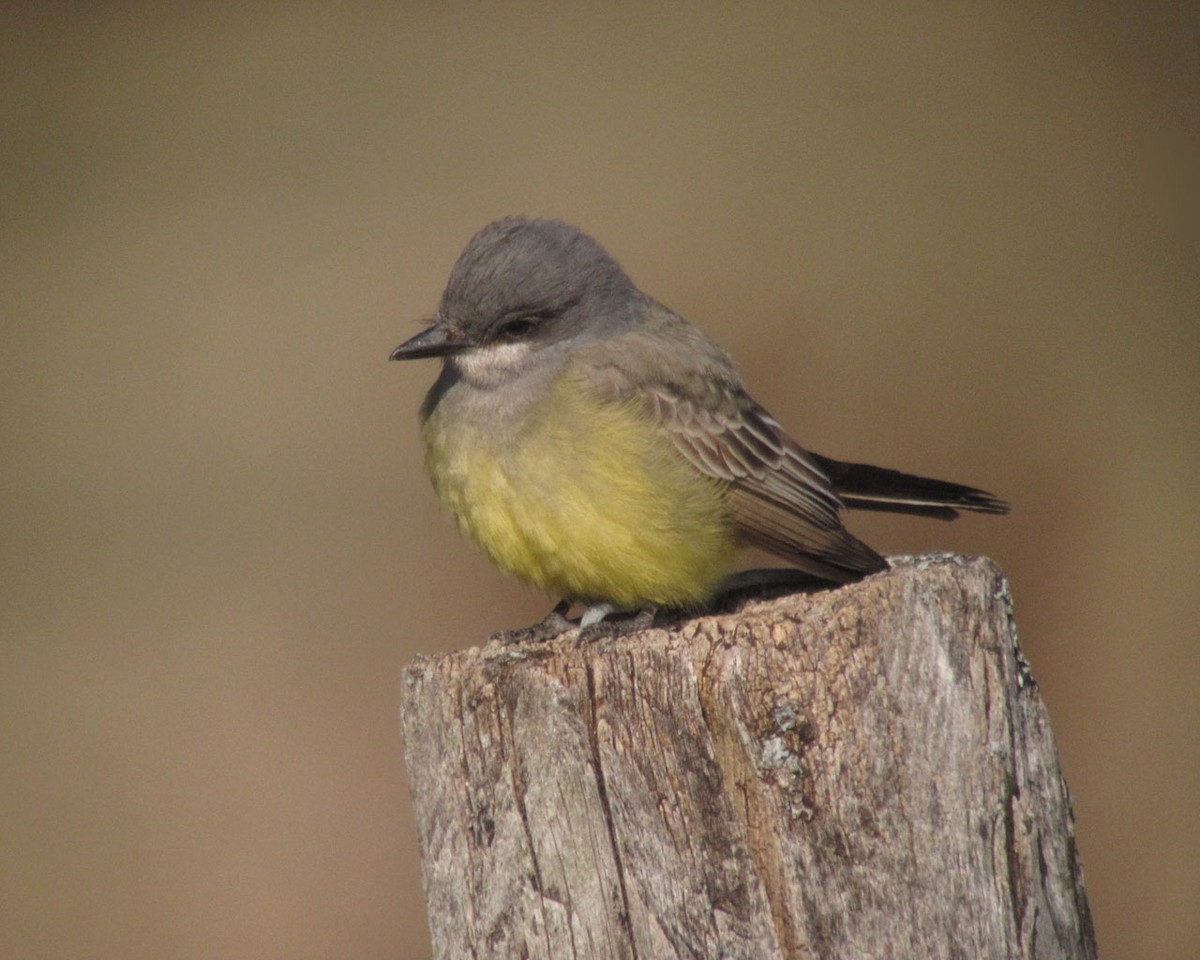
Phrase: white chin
(488, 366)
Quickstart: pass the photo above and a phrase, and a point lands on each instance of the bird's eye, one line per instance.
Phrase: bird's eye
(517, 328)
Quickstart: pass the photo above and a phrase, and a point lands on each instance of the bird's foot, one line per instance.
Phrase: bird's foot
(594, 626)
(550, 626)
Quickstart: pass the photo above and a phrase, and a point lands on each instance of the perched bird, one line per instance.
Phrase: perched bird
(597, 445)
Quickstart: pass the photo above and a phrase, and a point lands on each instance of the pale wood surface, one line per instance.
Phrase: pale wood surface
(861, 772)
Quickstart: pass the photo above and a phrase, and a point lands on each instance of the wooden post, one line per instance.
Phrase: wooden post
(860, 772)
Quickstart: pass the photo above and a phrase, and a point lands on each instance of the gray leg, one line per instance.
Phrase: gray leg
(549, 627)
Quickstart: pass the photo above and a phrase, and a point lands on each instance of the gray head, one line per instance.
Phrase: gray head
(520, 289)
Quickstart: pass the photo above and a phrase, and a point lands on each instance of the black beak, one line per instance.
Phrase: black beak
(436, 341)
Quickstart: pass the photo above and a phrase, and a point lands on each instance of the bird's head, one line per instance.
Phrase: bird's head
(522, 291)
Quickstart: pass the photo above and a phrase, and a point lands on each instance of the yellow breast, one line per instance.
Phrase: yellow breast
(587, 501)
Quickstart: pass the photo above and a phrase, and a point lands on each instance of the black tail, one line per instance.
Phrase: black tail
(863, 487)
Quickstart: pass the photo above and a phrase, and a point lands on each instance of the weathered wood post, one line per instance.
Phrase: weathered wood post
(861, 772)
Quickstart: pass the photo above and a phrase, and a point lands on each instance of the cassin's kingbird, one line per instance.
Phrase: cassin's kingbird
(597, 445)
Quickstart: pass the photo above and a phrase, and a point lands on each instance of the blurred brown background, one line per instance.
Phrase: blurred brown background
(955, 238)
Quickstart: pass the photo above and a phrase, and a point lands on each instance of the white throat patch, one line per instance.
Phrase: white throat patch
(493, 364)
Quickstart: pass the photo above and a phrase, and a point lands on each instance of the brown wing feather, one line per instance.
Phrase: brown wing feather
(781, 500)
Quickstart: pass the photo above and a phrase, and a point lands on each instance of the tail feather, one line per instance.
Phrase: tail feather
(863, 487)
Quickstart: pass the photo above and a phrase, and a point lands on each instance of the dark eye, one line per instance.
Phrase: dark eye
(518, 328)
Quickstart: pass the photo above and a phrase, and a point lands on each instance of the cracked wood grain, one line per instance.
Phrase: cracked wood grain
(861, 772)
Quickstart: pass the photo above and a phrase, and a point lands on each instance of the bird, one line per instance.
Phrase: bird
(598, 446)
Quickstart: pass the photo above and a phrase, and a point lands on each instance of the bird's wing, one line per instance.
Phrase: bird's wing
(781, 499)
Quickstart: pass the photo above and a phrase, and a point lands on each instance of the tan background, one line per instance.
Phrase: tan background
(950, 237)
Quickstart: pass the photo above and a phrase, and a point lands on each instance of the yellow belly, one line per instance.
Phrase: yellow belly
(588, 502)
